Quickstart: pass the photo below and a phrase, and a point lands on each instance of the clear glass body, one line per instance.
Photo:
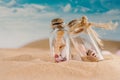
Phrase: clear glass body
(84, 41)
(59, 43)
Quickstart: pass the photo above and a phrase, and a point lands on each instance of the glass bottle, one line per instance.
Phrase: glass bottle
(59, 41)
(84, 41)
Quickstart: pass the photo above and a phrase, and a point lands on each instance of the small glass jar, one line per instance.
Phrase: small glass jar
(59, 41)
(84, 41)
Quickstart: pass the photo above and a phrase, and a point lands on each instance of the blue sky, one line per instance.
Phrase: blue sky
(92, 5)
(77, 6)
(24, 21)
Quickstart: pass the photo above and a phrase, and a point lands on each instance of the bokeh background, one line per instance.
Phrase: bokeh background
(24, 21)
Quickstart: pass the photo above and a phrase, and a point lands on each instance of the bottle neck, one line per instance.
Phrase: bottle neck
(58, 28)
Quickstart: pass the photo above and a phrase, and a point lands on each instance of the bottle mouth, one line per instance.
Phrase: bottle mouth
(57, 23)
(72, 23)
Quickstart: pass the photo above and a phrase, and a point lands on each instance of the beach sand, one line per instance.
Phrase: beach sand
(33, 62)
(111, 46)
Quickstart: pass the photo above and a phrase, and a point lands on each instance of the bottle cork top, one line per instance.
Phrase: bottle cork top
(57, 21)
(73, 22)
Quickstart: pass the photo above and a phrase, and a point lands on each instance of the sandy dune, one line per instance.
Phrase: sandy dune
(35, 63)
(112, 46)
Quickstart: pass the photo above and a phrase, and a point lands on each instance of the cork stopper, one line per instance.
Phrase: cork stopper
(57, 21)
(71, 23)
